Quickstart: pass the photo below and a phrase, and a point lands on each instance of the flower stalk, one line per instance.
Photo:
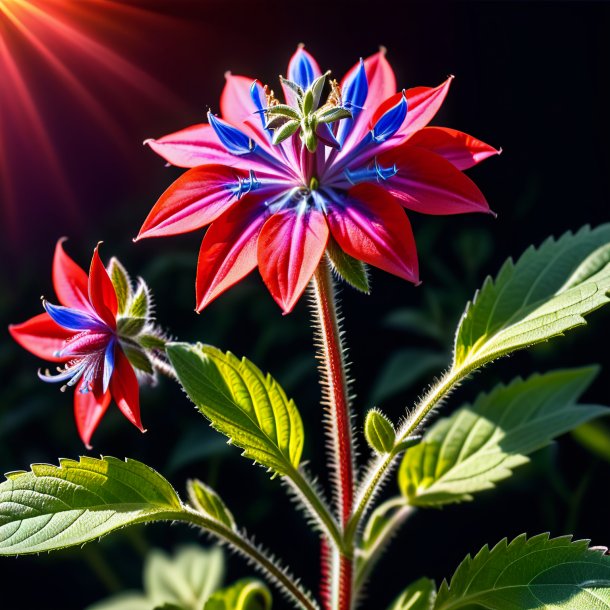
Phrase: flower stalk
(336, 400)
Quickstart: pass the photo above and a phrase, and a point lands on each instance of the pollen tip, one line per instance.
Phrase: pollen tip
(227, 73)
(499, 151)
(148, 141)
(451, 76)
(301, 45)
(493, 214)
(418, 283)
(383, 50)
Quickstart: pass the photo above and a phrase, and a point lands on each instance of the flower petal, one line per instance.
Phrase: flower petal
(75, 320)
(459, 148)
(228, 250)
(193, 146)
(290, 247)
(370, 225)
(101, 291)
(193, 201)
(41, 337)
(69, 280)
(429, 184)
(303, 69)
(238, 107)
(423, 103)
(89, 408)
(381, 85)
(125, 389)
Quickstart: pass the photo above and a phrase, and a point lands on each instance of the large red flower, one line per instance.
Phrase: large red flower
(81, 336)
(276, 181)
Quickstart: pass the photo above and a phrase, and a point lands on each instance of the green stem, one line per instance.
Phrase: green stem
(380, 468)
(242, 544)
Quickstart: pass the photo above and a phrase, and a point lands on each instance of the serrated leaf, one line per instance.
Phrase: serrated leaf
(546, 292)
(251, 409)
(245, 594)
(207, 501)
(535, 574)
(140, 304)
(349, 269)
(53, 507)
(419, 595)
(186, 580)
(121, 282)
(481, 444)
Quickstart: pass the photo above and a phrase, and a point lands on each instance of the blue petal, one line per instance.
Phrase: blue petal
(301, 71)
(234, 140)
(108, 364)
(390, 122)
(369, 174)
(255, 93)
(73, 319)
(353, 96)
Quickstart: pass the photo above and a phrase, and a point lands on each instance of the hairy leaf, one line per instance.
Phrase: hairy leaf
(348, 268)
(379, 432)
(546, 292)
(481, 444)
(207, 501)
(419, 595)
(245, 594)
(251, 409)
(53, 507)
(121, 282)
(535, 574)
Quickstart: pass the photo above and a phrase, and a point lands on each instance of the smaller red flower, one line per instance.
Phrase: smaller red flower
(81, 335)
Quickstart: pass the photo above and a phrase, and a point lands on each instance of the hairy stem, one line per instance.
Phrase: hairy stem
(239, 542)
(338, 420)
(163, 367)
(379, 469)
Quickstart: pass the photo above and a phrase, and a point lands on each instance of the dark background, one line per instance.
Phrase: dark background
(530, 77)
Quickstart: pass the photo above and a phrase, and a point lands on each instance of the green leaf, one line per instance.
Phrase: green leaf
(545, 293)
(186, 580)
(285, 131)
(140, 304)
(349, 269)
(152, 341)
(121, 282)
(251, 409)
(532, 574)
(53, 507)
(377, 523)
(207, 501)
(130, 327)
(137, 357)
(245, 594)
(379, 432)
(481, 444)
(595, 436)
(419, 595)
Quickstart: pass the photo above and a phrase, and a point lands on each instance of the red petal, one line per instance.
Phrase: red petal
(459, 148)
(228, 250)
(422, 104)
(193, 201)
(125, 389)
(41, 336)
(370, 225)
(69, 280)
(381, 85)
(290, 247)
(101, 291)
(89, 408)
(429, 184)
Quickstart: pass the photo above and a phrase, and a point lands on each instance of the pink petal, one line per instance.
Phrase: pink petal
(101, 291)
(290, 247)
(125, 389)
(371, 226)
(193, 201)
(228, 250)
(69, 280)
(429, 184)
(41, 337)
(459, 148)
(381, 85)
(89, 408)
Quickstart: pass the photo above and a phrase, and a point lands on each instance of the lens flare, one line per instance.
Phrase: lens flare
(58, 59)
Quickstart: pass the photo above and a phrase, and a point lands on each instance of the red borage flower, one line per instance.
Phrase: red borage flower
(276, 181)
(81, 334)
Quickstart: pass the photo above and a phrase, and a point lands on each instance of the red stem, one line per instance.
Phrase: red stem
(336, 399)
